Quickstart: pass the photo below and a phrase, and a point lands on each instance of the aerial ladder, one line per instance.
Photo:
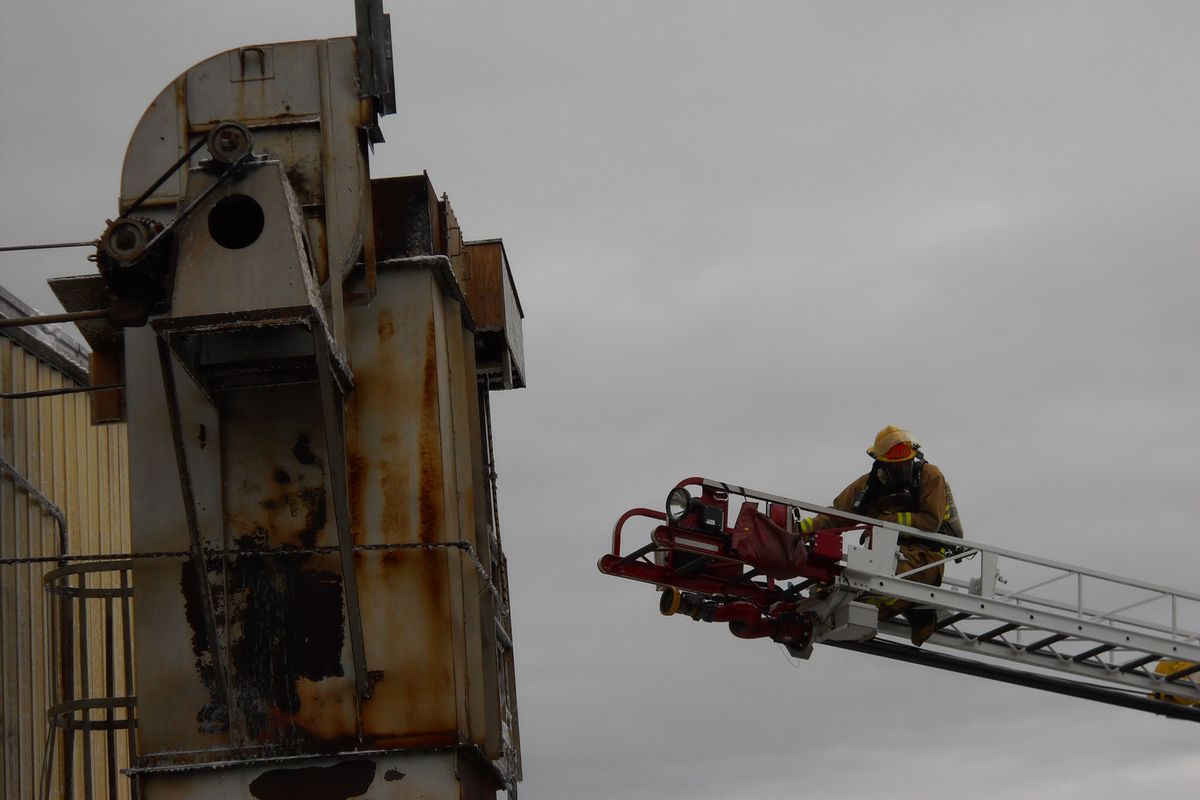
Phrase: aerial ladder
(1002, 615)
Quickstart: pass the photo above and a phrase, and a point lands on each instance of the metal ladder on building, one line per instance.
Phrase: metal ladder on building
(1012, 617)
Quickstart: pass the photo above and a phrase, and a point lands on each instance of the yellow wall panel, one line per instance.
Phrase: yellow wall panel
(50, 444)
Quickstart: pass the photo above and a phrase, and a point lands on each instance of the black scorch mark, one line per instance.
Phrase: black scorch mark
(338, 782)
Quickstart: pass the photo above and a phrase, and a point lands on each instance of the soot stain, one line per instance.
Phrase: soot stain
(316, 514)
(283, 614)
(303, 451)
(212, 717)
(338, 782)
(291, 627)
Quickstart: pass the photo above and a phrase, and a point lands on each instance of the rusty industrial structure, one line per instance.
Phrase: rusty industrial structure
(315, 600)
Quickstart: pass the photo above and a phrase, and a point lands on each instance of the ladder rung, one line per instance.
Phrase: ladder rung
(1130, 666)
(800, 587)
(953, 619)
(1183, 673)
(1095, 651)
(994, 632)
(1049, 640)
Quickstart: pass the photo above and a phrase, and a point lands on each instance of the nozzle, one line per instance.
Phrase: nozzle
(695, 606)
(704, 609)
(668, 603)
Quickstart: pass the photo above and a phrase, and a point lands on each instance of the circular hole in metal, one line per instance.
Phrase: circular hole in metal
(235, 221)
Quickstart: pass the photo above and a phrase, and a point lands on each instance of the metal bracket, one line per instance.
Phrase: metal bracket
(189, 507)
(335, 443)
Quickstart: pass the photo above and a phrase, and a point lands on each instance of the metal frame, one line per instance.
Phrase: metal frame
(333, 410)
(1070, 638)
(199, 563)
(335, 380)
(70, 587)
(979, 669)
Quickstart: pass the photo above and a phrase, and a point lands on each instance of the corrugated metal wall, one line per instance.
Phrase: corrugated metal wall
(82, 470)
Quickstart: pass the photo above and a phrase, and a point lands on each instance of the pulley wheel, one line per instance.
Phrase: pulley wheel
(229, 142)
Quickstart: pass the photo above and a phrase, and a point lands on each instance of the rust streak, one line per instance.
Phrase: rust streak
(322, 246)
(314, 501)
(395, 481)
(387, 327)
(356, 470)
(429, 446)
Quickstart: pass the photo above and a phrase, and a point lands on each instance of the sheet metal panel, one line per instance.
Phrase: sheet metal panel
(414, 482)
(397, 463)
(447, 775)
(234, 85)
(302, 105)
(270, 272)
(291, 673)
(466, 482)
(171, 677)
(492, 297)
(158, 140)
(408, 217)
(262, 485)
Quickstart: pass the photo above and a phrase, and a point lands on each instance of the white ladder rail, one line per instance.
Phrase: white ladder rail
(1112, 646)
(1088, 611)
(1050, 659)
(870, 569)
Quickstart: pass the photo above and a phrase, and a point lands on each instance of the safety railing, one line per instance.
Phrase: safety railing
(91, 724)
(1039, 612)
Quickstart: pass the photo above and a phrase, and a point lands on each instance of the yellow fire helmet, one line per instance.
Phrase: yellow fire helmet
(893, 444)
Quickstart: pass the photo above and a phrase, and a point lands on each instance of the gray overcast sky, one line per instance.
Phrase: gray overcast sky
(747, 236)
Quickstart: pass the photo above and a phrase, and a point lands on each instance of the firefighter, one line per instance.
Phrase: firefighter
(904, 488)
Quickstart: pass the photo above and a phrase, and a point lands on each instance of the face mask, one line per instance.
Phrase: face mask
(895, 474)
